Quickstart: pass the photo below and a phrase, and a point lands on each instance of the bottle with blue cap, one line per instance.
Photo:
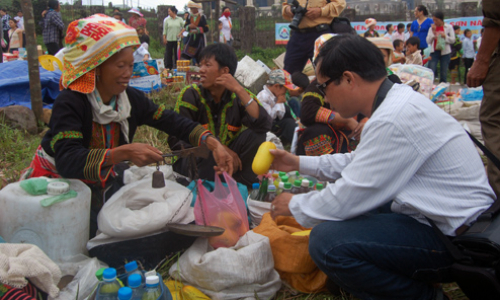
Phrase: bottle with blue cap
(153, 289)
(133, 268)
(125, 293)
(110, 286)
(255, 191)
(135, 283)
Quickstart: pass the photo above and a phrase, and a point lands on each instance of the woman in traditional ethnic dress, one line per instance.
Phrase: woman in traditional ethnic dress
(96, 115)
(197, 26)
(326, 131)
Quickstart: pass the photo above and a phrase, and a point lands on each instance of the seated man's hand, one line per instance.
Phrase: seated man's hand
(229, 82)
(222, 157)
(281, 99)
(279, 206)
(236, 161)
(284, 161)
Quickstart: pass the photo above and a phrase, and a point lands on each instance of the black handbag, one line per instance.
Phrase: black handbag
(476, 252)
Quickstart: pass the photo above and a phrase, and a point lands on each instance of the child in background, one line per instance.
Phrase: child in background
(399, 34)
(455, 56)
(390, 31)
(399, 56)
(222, 37)
(407, 34)
(469, 52)
(413, 56)
(273, 99)
(143, 37)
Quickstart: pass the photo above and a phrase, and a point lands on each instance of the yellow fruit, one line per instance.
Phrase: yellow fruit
(177, 295)
(302, 233)
(192, 293)
(173, 285)
(263, 159)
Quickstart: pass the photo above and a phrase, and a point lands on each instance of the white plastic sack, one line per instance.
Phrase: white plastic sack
(257, 209)
(271, 137)
(138, 209)
(242, 271)
(84, 282)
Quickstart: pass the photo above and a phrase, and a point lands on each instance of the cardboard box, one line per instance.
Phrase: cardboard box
(10, 57)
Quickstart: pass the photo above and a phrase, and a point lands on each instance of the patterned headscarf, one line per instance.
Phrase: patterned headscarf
(89, 43)
(384, 43)
(319, 43)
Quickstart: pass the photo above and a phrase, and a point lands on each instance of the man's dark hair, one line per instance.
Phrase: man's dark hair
(408, 25)
(439, 14)
(413, 41)
(4, 10)
(455, 27)
(116, 9)
(173, 9)
(396, 43)
(401, 26)
(53, 4)
(423, 9)
(300, 79)
(389, 26)
(224, 8)
(466, 31)
(223, 54)
(351, 53)
(118, 14)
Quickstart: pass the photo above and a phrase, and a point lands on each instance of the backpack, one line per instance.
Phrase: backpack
(476, 252)
(341, 25)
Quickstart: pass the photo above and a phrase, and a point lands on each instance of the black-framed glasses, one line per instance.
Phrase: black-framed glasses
(321, 87)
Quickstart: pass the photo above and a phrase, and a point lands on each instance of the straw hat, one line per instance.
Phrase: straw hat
(370, 21)
(192, 4)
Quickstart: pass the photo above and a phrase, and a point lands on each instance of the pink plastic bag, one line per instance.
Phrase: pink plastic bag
(223, 208)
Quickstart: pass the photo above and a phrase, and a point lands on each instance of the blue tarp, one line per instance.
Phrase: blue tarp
(15, 88)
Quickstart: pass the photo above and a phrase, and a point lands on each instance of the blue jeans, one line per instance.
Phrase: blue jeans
(444, 63)
(374, 256)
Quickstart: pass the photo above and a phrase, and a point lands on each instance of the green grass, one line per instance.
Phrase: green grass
(18, 148)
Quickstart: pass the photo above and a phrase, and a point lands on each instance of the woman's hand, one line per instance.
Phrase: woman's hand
(356, 132)
(140, 154)
(279, 206)
(284, 161)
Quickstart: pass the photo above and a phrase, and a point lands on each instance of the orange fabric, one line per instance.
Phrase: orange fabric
(84, 84)
(291, 254)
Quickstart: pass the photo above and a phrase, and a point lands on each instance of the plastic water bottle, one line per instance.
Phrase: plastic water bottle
(255, 191)
(271, 193)
(125, 293)
(110, 286)
(98, 274)
(287, 188)
(304, 186)
(280, 188)
(263, 190)
(153, 289)
(296, 189)
(135, 283)
(319, 187)
(133, 268)
(285, 179)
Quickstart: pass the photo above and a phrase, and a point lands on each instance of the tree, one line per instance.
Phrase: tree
(110, 4)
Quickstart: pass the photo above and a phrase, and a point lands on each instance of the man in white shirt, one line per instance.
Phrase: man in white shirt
(273, 99)
(370, 235)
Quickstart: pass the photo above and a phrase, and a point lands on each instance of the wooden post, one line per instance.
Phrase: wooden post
(247, 28)
(33, 66)
(217, 16)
